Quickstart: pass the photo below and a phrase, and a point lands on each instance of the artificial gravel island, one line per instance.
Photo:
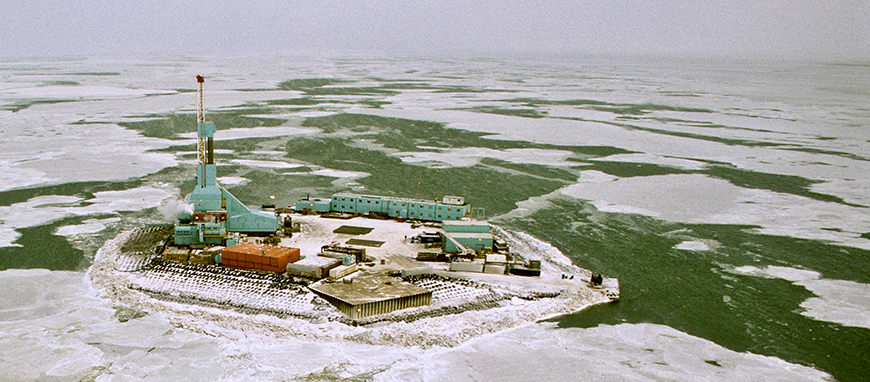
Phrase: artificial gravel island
(368, 268)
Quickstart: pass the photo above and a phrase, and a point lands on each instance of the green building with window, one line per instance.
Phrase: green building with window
(450, 207)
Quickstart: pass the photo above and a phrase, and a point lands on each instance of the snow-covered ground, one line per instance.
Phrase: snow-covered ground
(397, 253)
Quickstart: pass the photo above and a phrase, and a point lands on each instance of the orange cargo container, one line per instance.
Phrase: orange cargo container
(259, 256)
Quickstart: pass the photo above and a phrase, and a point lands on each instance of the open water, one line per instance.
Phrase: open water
(729, 197)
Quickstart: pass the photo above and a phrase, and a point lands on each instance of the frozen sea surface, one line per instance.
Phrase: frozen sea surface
(729, 198)
(67, 332)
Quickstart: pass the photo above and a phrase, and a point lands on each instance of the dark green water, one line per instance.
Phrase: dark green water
(685, 289)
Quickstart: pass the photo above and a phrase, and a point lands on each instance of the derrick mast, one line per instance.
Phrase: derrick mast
(216, 212)
(205, 133)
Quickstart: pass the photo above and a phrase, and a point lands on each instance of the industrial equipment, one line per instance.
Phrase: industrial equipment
(217, 214)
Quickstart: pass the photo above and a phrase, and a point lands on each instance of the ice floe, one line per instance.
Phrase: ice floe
(692, 246)
(689, 198)
(254, 132)
(265, 163)
(681, 163)
(78, 92)
(699, 199)
(87, 226)
(471, 156)
(41, 210)
(840, 301)
(233, 180)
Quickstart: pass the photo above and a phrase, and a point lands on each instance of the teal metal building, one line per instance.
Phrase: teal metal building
(216, 212)
(475, 241)
(472, 234)
(313, 205)
(465, 226)
(450, 208)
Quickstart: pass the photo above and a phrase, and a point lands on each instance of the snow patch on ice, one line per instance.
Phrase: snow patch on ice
(795, 216)
(778, 272)
(340, 174)
(663, 197)
(12, 176)
(8, 235)
(56, 328)
(841, 301)
(344, 179)
(269, 153)
(315, 114)
(670, 197)
(605, 206)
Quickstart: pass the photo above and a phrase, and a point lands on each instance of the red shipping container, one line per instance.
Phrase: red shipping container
(272, 268)
(260, 256)
(276, 258)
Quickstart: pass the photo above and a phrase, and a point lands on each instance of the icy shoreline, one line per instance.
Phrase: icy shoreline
(442, 330)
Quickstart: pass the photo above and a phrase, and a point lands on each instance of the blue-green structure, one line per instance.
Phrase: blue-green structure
(216, 212)
(449, 208)
(471, 234)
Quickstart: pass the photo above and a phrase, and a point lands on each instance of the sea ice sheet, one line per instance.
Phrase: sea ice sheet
(840, 301)
(54, 326)
(45, 209)
(627, 352)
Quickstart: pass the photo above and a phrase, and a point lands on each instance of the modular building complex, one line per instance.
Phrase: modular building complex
(449, 208)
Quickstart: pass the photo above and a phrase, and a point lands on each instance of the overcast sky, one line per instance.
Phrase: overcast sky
(828, 29)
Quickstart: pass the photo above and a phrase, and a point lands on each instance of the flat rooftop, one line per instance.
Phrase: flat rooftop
(366, 288)
(386, 239)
